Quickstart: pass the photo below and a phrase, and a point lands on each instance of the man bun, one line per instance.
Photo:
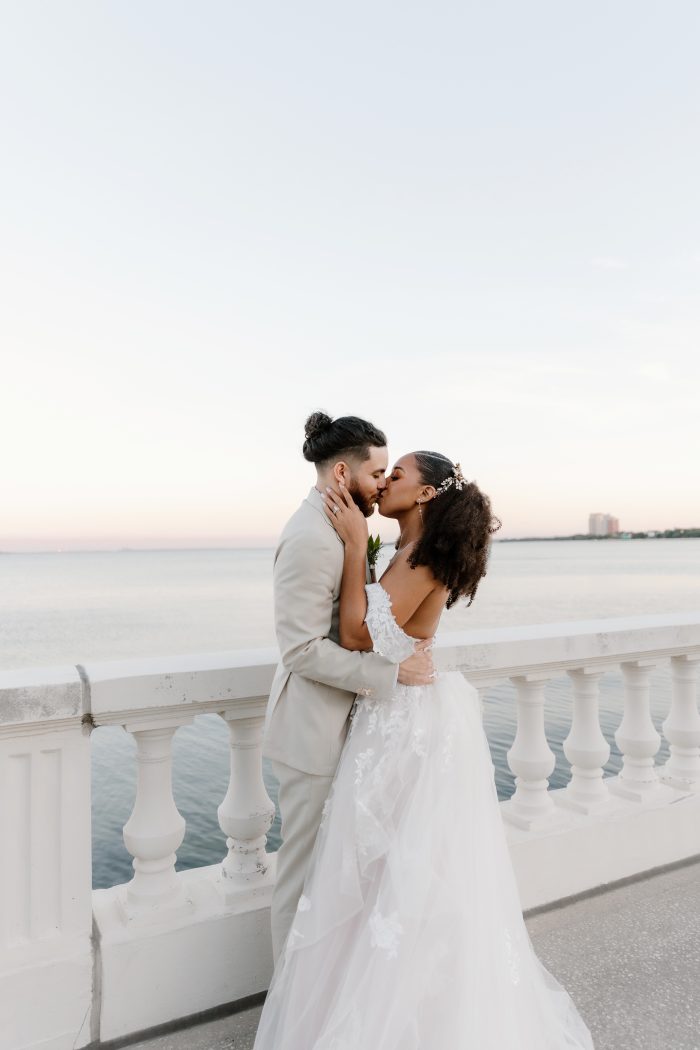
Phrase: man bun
(316, 424)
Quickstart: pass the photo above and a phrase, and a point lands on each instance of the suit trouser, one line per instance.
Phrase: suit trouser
(301, 797)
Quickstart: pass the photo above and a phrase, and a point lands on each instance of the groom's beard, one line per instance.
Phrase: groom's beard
(366, 505)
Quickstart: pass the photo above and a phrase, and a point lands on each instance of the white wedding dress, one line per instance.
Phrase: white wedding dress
(409, 934)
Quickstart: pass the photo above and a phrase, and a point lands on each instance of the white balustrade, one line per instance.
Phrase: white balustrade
(636, 736)
(585, 747)
(155, 829)
(247, 811)
(530, 758)
(205, 931)
(682, 726)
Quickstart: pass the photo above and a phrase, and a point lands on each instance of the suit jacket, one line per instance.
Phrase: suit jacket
(317, 680)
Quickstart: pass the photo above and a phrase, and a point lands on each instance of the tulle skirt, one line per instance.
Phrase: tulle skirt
(409, 934)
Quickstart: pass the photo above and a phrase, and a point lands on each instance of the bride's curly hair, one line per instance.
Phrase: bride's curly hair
(457, 526)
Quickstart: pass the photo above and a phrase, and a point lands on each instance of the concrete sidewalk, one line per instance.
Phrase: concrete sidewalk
(628, 956)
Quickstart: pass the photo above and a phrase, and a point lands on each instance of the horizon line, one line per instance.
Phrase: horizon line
(640, 534)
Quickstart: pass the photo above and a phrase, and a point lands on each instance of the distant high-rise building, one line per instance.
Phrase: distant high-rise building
(596, 525)
(602, 525)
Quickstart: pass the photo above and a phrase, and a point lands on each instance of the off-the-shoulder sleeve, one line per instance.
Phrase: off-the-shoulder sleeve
(388, 638)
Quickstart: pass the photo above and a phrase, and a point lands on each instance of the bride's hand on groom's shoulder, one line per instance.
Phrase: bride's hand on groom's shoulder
(346, 517)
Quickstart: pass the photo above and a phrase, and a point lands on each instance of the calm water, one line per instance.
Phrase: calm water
(74, 608)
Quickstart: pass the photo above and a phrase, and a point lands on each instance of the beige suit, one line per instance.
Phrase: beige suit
(313, 690)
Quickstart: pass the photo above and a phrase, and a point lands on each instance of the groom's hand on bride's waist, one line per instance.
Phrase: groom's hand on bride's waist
(418, 668)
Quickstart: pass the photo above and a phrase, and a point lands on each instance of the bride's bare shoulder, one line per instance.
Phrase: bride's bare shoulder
(400, 572)
(410, 589)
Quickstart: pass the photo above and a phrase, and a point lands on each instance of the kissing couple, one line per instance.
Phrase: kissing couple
(396, 918)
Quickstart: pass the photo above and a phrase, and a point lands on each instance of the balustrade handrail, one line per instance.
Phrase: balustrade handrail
(488, 655)
(107, 692)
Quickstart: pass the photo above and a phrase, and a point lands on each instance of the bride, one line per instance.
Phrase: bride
(409, 933)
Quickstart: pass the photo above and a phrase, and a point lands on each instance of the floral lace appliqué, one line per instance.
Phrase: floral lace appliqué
(385, 727)
(325, 810)
(417, 742)
(388, 639)
(386, 717)
(447, 746)
(385, 932)
(362, 763)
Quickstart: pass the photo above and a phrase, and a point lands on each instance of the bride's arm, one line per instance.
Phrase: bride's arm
(352, 608)
(406, 591)
(351, 525)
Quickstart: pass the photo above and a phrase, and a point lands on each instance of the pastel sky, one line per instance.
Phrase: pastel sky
(475, 224)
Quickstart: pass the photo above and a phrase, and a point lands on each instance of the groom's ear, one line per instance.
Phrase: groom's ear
(341, 472)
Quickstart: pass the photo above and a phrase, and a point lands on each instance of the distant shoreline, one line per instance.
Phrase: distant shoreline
(668, 534)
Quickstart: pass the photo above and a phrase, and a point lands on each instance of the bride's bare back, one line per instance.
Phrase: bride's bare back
(399, 578)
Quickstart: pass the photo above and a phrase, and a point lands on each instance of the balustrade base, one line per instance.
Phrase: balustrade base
(626, 839)
(46, 994)
(241, 892)
(166, 911)
(639, 791)
(216, 953)
(551, 820)
(580, 804)
(679, 783)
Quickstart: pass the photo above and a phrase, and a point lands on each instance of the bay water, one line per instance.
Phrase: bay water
(68, 608)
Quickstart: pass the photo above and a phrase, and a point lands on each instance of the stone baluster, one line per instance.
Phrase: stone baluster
(155, 829)
(682, 727)
(636, 736)
(585, 747)
(530, 758)
(246, 813)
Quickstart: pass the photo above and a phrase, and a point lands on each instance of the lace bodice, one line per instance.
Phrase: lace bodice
(388, 639)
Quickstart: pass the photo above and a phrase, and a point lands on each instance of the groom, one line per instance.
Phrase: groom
(316, 681)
